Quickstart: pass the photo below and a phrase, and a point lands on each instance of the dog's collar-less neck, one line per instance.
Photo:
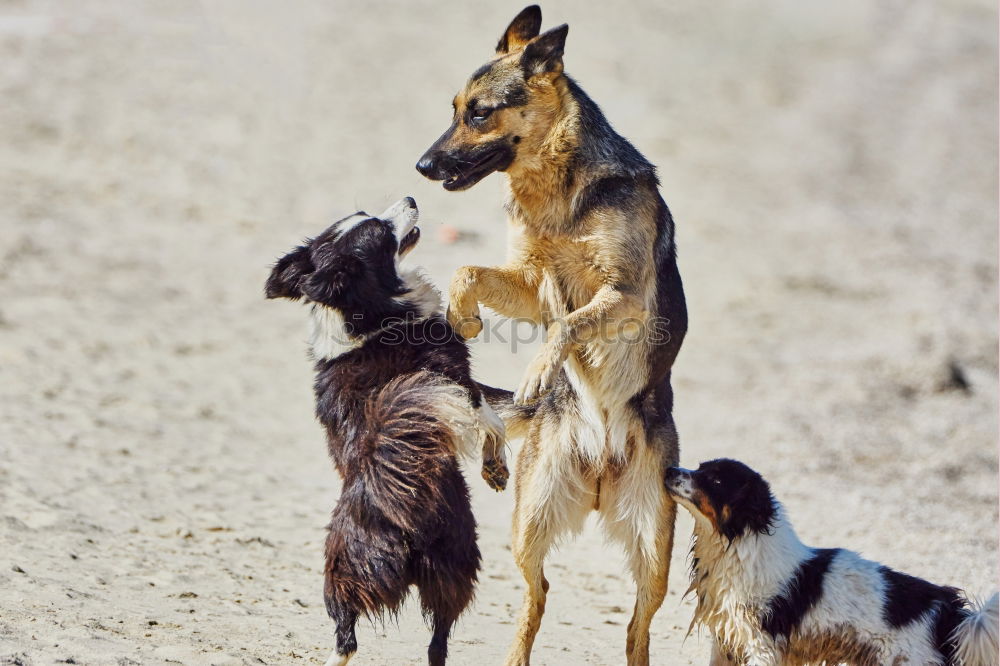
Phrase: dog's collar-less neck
(330, 338)
(546, 164)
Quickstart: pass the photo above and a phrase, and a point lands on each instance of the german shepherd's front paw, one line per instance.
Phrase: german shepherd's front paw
(463, 308)
(540, 375)
(467, 326)
(495, 473)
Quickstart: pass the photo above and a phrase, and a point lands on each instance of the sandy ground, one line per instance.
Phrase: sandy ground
(163, 486)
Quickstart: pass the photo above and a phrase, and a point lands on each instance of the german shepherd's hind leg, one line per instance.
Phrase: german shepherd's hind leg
(651, 573)
(552, 498)
(720, 657)
(638, 514)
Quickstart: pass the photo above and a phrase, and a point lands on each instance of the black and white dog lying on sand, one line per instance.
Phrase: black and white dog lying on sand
(770, 600)
(395, 394)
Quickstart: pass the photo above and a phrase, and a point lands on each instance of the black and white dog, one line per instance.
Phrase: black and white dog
(396, 397)
(768, 599)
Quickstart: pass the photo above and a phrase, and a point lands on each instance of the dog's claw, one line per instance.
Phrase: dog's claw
(539, 378)
(495, 474)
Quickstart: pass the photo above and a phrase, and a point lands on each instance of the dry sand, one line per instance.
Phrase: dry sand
(163, 487)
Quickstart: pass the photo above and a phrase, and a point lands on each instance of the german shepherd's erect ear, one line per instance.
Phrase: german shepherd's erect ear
(521, 30)
(543, 55)
(288, 274)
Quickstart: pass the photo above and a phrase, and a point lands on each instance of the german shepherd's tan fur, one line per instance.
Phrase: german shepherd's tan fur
(593, 261)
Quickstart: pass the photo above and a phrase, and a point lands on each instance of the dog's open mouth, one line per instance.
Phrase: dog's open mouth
(409, 241)
(494, 160)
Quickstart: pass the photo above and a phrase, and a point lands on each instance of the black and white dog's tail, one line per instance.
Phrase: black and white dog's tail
(976, 636)
(419, 424)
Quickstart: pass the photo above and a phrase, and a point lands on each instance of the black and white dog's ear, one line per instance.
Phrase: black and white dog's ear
(521, 30)
(286, 277)
(544, 55)
(329, 285)
(750, 511)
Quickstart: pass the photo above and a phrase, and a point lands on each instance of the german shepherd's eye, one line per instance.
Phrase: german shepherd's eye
(480, 115)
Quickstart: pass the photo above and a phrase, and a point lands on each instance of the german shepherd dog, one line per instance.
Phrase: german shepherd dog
(395, 395)
(592, 261)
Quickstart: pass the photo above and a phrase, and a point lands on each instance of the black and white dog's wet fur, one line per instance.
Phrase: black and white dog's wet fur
(396, 397)
(768, 599)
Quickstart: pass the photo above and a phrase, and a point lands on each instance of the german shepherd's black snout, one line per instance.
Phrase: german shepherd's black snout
(461, 167)
(436, 164)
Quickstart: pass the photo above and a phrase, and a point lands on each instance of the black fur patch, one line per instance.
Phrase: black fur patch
(950, 614)
(785, 612)
(516, 96)
(908, 598)
(600, 144)
(610, 192)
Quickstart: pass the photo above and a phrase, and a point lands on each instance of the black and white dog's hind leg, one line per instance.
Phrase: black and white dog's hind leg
(347, 642)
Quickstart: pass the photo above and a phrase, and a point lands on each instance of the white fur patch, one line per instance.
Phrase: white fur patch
(403, 215)
(976, 635)
(451, 405)
(631, 505)
(350, 222)
(338, 660)
(420, 292)
(492, 432)
(490, 422)
(328, 336)
(735, 581)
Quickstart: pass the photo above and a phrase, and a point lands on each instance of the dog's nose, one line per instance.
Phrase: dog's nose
(427, 166)
(437, 165)
(674, 475)
(410, 203)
